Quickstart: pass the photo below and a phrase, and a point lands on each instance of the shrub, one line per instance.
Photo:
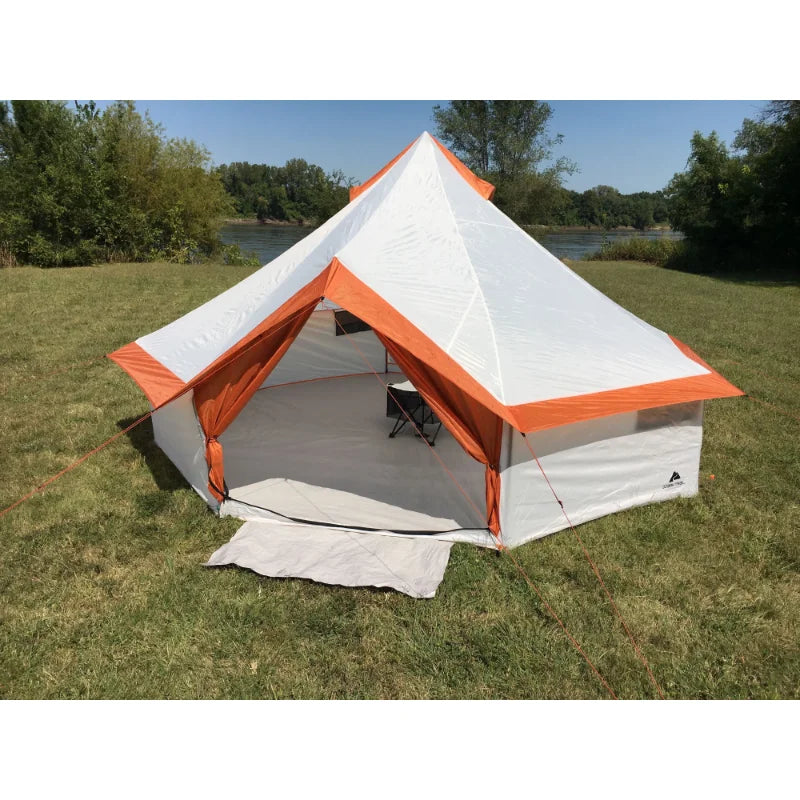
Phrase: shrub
(662, 252)
(233, 256)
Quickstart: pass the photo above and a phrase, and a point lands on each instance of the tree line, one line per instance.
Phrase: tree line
(506, 152)
(79, 185)
(295, 192)
(606, 207)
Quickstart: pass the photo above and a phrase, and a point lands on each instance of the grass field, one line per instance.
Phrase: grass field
(102, 592)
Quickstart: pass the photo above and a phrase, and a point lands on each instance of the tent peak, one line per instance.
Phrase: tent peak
(482, 187)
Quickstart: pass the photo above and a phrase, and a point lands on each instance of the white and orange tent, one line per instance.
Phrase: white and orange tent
(269, 413)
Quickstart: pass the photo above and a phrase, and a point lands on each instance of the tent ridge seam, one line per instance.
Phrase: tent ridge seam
(460, 325)
(487, 224)
(479, 288)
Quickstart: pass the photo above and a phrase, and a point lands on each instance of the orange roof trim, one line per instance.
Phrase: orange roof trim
(544, 414)
(482, 187)
(157, 382)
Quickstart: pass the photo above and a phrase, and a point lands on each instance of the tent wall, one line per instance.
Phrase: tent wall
(598, 467)
(318, 352)
(178, 433)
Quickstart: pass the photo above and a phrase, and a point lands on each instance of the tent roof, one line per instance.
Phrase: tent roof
(421, 246)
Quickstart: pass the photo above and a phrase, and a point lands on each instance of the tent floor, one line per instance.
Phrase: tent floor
(320, 451)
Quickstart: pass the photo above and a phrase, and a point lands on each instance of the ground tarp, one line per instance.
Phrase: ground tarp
(414, 566)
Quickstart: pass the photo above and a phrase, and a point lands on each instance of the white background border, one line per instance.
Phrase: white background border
(413, 50)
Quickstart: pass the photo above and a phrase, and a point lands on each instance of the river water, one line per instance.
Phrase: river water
(269, 241)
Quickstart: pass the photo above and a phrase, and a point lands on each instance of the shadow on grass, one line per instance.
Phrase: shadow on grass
(750, 266)
(164, 472)
(761, 277)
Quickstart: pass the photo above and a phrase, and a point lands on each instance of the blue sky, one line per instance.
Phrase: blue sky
(633, 145)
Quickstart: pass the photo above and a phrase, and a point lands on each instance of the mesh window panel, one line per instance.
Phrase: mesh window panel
(663, 416)
(349, 323)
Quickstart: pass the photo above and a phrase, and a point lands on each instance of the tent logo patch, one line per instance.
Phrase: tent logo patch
(674, 481)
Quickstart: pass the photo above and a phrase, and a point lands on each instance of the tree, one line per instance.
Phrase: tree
(642, 216)
(189, 200)
(769, 152)
(78, 186)
(706, 201)
(467, 128)
(603, 206)
(742, 210)
(506, 142)
(49, 182)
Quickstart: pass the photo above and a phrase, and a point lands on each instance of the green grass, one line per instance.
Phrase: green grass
(102, 592)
